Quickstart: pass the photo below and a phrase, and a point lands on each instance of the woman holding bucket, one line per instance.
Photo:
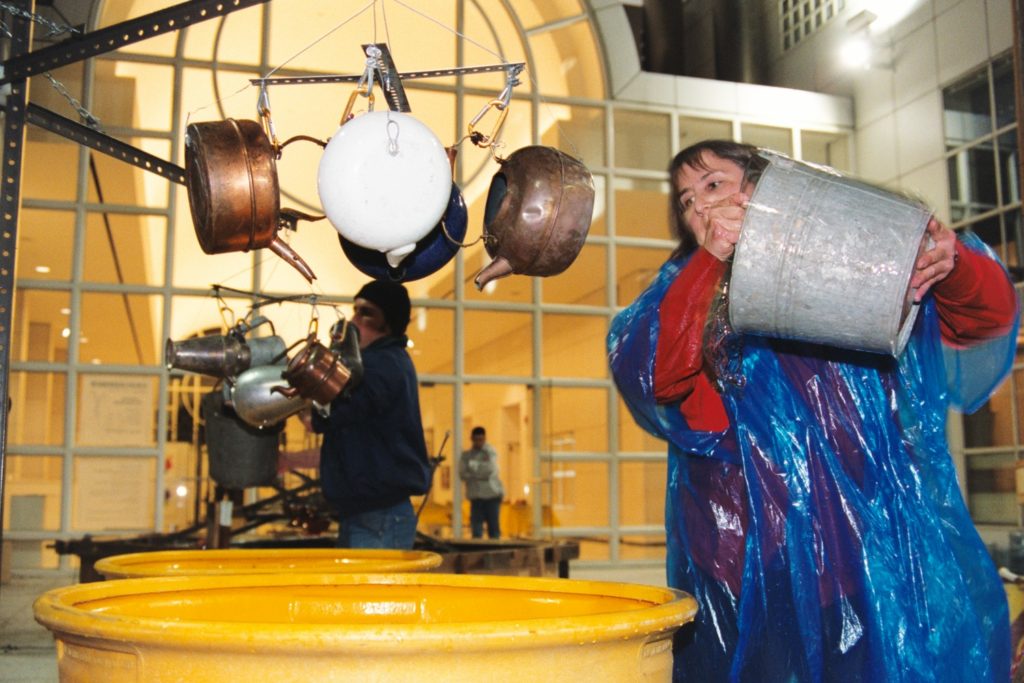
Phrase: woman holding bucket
(812, 504)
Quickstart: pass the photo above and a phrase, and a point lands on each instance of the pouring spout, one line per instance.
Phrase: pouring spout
(498, 268)
(398, 254)
(282, 249)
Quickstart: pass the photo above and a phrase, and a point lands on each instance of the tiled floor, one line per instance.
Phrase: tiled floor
(27, 653)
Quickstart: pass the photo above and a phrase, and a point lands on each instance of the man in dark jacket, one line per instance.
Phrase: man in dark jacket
(373, 455)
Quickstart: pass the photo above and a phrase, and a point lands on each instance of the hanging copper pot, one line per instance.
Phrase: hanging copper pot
(314, 373)
(538, 212)
(231, 177)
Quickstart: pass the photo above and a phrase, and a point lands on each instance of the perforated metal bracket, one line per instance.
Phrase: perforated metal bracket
(389, 78)
(119, 35)
(10, 205)
(404, 75)
(76, 132)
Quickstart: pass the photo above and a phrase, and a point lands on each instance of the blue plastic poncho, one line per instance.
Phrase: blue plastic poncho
(824, 534)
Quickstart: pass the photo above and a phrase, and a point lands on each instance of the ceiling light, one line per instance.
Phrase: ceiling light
(42, 269)
(66, 332)
(856, 53)
(65, 311)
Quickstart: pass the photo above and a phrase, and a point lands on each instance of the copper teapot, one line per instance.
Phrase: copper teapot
(314, 373)
(538, 212)
(233, 192)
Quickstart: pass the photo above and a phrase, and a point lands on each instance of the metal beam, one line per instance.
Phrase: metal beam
(16, 71)
(1018, 80)
(76, 132)
(404, 75)
(117, 36)
(10, 204)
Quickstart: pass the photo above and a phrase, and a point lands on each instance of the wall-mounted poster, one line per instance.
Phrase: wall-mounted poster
(116, 410)
(113, 493)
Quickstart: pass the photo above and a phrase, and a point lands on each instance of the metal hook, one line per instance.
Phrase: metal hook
(347, 114)
(478, 138)
(225, 311)
(263, 108)
(500, 103)
(314, 321)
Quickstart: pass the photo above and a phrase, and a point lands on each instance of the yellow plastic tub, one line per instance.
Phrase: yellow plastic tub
(363, 627)
(264, 561)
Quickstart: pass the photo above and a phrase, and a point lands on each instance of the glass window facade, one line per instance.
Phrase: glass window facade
(984, 188)
(104, 439)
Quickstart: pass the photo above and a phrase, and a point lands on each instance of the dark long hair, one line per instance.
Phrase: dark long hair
(693, 156)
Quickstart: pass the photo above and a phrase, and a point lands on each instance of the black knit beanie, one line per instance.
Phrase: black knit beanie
(393, 299)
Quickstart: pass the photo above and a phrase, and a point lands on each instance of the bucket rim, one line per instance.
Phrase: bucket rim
(63, 611)
(156, 563)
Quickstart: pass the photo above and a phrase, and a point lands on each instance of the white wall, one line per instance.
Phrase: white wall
(898, 102)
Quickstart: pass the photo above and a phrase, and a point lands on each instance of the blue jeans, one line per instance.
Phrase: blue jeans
(391, 527)
(485, 510)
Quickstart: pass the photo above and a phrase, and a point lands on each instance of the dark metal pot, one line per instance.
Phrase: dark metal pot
(431, 252)
(240, 456)
(538, 212)
(231, 178)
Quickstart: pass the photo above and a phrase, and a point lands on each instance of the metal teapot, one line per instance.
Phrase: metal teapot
(314, 373)
(384, 181)
(233, 193)
(252, 394)
(537, 215)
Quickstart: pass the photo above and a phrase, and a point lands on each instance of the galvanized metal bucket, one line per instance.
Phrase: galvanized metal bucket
(826, 259)
(240, 455)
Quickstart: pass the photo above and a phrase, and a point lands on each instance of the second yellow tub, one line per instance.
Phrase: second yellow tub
(264, 561)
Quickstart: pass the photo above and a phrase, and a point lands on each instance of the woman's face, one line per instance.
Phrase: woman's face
(699, 188)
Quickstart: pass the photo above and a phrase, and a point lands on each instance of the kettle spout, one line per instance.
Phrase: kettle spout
(499, 267)
(398, 254)
(282, 249)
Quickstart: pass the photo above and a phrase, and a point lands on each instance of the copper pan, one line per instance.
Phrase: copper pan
(231, 177)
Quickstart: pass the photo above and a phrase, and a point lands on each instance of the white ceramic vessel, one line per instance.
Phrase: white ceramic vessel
(384, 182)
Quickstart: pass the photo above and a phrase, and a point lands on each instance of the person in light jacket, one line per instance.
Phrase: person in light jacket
(478, 468)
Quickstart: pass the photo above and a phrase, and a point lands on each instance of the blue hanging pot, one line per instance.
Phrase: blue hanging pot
(432, 251)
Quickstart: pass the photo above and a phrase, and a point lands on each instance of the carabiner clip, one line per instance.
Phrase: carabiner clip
(227, 316)
(314, 322)
(360, 90)
(263, 108)
(478, 138)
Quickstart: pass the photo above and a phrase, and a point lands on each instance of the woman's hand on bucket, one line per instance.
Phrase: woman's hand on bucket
(936, 263)
(723, 222)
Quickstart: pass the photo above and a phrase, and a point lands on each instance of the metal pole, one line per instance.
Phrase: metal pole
(1018, 80)
(15, 107)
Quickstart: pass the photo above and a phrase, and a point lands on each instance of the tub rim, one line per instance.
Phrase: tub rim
(60, 611)
(132, 565)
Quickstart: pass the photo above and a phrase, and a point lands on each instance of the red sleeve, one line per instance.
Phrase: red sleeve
(679, 359)
(976, 301)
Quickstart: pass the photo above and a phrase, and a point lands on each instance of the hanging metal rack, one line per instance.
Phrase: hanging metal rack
(23, 63)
